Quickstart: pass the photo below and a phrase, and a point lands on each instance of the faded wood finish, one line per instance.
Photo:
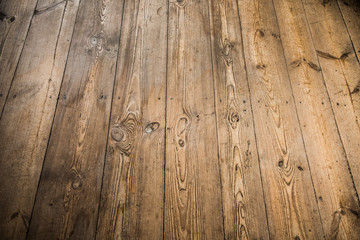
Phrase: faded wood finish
(133, 187)
(291, 204)
(350, 10)
(28, 114)
(341, 72)
(68, 197)
(193, 206)
(326, 155)
(243, 200)
(15, 19)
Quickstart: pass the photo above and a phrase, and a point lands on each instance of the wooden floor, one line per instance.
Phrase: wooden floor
(179, 119)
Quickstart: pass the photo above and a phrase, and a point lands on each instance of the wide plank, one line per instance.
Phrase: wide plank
(132, 197)
(289, 195)
(27, 118)
(68, 197)
(337, 198)
(242, 192)
(193, 204)
(341, 72)
(15, 19)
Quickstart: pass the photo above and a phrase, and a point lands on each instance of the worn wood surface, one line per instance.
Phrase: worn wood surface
(27, 118)
(179, 119)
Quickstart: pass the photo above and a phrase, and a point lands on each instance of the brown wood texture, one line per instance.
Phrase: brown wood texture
(29, 112)
(179, 119)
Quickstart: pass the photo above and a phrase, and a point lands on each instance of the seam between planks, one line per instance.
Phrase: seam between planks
(110, 114)
(215, 107)
(55, 110)
(252, 115)
(166, 98)
(332, 110)
(17, 64)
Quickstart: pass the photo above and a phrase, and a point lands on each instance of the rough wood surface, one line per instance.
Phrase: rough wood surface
(15, 19)
(179, 119)
(324, 148)
(133, 187)
(193, 206)
(291, 204)
(341, 72)
(68, 197)
(26, 121)
(243, 200)
(350, 10)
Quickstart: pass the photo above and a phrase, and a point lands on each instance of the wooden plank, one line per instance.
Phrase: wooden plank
(68, 197)
(341, 72)
(133, 187)
(15, 18)
(350, 10)
(336, 194)
(242, 193)
(291, 203)
(193, 204)
(28, 114)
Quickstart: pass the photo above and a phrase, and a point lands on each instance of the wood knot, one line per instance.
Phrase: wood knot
(6, 19)
(181, 143)
(117, 134)
(76, 183)
(233, 118)
(151, 127)
(281, 163)
(260, 32)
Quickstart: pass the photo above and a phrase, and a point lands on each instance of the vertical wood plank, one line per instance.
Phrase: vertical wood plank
(350, 10)
(289, 194)
(15, 19)
(28, 114)
(68, 197)
(341, 72)
(327, 158)
(243, 199)
(193, 204)
(133, 186)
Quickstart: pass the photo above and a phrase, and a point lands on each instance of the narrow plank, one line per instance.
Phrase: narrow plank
(193, 204)
(243, 199)
(15, 18)
(68, 197)
(327, 159)
(133, 186)
(289, 194)
(350, 10)
(28, 114)
(341, 72)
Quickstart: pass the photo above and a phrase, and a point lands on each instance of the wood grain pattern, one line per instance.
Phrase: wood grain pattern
(15, 19)
(192, 180)
(325, 151)
(243, 200)
(133, 185)
(28, 114)
(350, 10)
(341, 72)
(290, 200)
(69, 191)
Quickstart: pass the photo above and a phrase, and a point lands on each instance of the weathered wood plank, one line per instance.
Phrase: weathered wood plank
(289, 194)
(193, 205)
(15, 18)
(350, 10)
(133, 186)
(26, 121)
(336, 194)
(341, 72)
(68, 198)
(243, 199)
